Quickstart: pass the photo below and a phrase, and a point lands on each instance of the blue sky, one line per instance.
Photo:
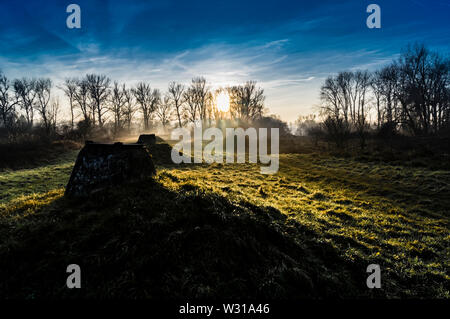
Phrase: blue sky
(289, 47)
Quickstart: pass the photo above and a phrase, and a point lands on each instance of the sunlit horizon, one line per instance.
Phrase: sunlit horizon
(223, 102)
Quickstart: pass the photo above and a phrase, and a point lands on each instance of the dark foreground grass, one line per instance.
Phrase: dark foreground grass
(228, 231)
(33, 154)
(24, 182)
(147, 241)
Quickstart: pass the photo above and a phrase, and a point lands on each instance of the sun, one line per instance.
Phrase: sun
(223, 102)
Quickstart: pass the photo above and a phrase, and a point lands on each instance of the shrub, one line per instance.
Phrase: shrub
(337, 131)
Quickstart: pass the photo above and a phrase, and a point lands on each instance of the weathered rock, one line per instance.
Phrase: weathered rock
(147, 139)
(99, 166)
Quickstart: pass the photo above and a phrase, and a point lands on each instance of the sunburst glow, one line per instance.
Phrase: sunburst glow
(223, 102)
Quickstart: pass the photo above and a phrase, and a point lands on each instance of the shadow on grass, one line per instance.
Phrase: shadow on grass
(146, 241)
(36, 154)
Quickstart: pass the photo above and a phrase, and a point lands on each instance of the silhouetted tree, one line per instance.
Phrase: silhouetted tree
(246, 101)
(43, 94)
(8, 102)
(201, 91)
(99, 91)
(53, 113)
(81, 97)
(362, 81)
(411, 93)
(377, 90)
(176, 91)
(336, 130)
(129, 108)
(69, 88)
(164, 110)
(331, 98)
(26, 93)
(424, 88)
(148, 100)
(190, 100)
(117, 104)
(389, 80)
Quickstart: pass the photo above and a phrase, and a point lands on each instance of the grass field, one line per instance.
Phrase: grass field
(336, 216)
(17, 183)
(396, 217)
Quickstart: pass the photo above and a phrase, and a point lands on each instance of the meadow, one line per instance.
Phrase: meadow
(218, 230)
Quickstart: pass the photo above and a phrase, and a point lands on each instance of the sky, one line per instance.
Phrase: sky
(288, 47)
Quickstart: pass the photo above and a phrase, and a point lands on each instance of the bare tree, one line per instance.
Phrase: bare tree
(145, 98)
(210, 110)
(190, 100)
(344, 82)
(201, 94)
(412, 92)
(164, 110)
(43, 94)
(330, 95)
(344, 102)
(8, 102)
(148, 100)
(438, 89)
(389, 79)
(26, 93)
(155, 100)
(377, 90)
(53, 113)
(142, 94)
(81, 97)
(247, 101)
(362, 80)
(129, 108)
(423, 88)
(99, 92)
(345, 95)
(69, 88)
(117, 104)
(176, 91)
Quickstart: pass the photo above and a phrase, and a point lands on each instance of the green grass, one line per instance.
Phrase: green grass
(17, 183)
(392, 215)
(333, 216)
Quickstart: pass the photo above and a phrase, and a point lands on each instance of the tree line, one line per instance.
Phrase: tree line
(98, 100)
(410, 95)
